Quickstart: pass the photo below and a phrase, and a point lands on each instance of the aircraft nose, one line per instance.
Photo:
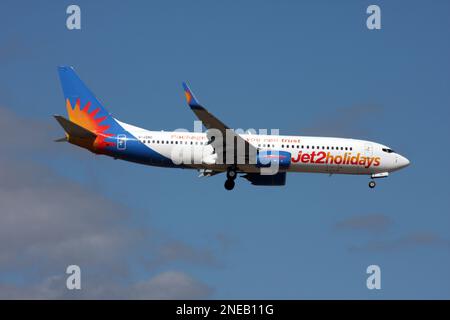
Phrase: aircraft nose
(402, 162)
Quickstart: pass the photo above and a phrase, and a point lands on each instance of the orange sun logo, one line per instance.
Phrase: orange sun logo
(83, 118)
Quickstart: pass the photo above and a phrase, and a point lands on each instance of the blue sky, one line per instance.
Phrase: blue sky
(305, 67)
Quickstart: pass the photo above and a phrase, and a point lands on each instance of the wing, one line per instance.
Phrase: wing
(230, 147)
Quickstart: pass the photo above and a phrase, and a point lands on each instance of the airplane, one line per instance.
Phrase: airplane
(264, 160)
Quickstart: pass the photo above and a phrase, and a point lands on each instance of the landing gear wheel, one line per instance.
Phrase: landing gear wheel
(372, 184)
(229, 184)
(231, 173)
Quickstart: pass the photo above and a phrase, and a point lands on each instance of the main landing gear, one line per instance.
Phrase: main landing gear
(231, 176)
(372, 183)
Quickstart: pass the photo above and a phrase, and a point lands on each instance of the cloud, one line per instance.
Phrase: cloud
(171, 285)
(48, 222)
(370, 222)
(165, 285)
(177, 250)
(412, 240)
(377, 224)
(25, 135)
(345, 122)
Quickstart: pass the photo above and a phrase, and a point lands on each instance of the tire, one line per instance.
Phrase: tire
(372, 184)
(231, 174)
(229, 184)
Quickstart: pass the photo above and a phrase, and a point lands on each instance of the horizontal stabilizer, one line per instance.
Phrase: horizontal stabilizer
(74, 130)
(63, 139)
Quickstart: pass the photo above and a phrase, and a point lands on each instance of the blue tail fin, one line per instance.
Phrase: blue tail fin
(83, 107)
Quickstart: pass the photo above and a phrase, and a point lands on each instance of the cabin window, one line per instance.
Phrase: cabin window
(351, 148)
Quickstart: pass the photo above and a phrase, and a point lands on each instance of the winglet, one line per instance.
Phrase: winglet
(190, 98)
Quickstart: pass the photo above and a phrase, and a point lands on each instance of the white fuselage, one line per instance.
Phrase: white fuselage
(308, 154)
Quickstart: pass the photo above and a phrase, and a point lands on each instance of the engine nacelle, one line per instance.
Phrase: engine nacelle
(257, 179)
(269, 158)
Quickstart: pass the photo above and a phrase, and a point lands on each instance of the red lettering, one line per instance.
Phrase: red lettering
(369, 162)
(377, 161)
(305, 158)
(295, 160)
(354, 160)
(321, 157)
(362, 161)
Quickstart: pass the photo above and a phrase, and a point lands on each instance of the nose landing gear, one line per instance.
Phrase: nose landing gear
(372, 184)
(231, 176)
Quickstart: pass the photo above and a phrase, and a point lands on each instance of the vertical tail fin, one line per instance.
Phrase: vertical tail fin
(86, 111)
(83, 107)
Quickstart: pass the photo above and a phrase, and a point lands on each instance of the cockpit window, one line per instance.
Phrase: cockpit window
(388, 150)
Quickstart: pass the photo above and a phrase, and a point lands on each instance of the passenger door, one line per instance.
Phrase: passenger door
(121, 142)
